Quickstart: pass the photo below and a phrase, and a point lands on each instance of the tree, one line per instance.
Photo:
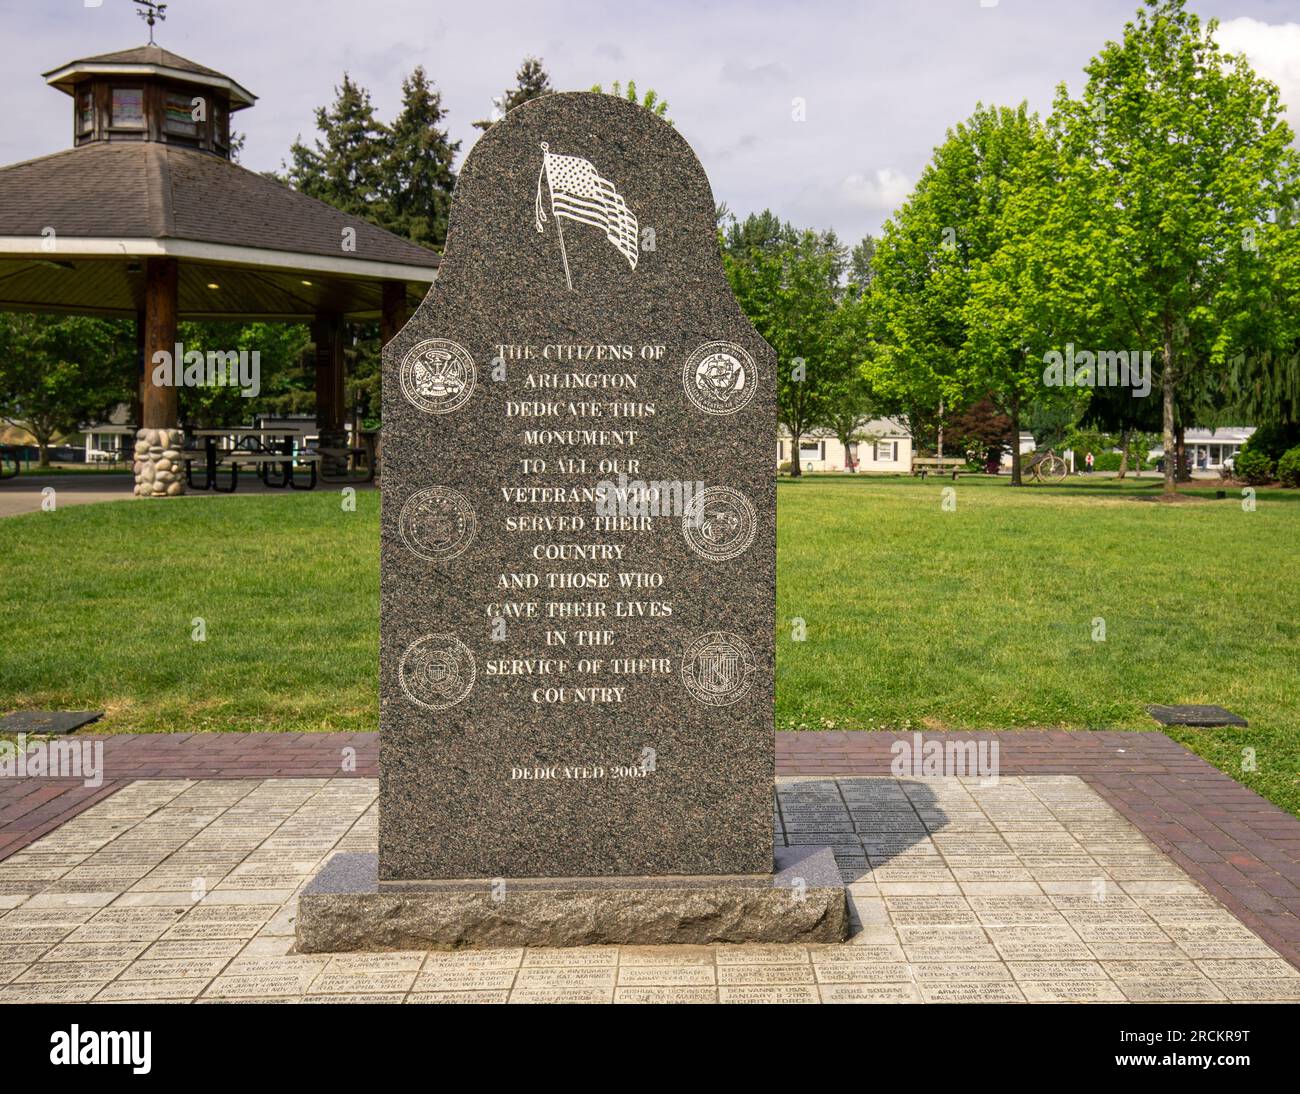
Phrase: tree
(980, 432)
(788, 284)
(284, 385)
(860, 267)
(1174, 164)
(940, 344)
(345, 167)
(531, 82)
(849, 401)
(651, 100)
(417, 165)
(57, 373)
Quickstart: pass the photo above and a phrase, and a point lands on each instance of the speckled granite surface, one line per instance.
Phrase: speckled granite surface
(659, 760)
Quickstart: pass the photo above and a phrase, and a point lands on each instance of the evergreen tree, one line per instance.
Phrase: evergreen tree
(345, 167)
(531, 82)
(418, 176)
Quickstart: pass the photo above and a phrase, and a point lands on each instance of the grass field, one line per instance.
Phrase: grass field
(982, 617)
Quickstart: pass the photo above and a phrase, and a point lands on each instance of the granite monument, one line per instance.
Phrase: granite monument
(578, 571)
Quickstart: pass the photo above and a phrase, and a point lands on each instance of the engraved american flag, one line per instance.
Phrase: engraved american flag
(579, 193)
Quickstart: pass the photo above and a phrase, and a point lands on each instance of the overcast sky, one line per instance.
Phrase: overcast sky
(881, 79)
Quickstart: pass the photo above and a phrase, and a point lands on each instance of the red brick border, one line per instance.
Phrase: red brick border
(1243, 849)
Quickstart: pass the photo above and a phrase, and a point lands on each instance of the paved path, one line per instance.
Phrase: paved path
(1027, 889)
(1240, 848)
(25, 493)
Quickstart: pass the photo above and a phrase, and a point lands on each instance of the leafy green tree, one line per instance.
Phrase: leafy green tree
(789, 285)
(1174, 162)
(650, 100)
(58, 373)
(849, 399)
(417, 166)
(940, 344)
(284, 383)
(531, 82)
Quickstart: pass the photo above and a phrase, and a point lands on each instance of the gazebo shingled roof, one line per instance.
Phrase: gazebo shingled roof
(109, 200)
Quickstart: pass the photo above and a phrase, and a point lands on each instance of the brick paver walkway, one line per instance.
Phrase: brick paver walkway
(1239, 847)
(1028, 889)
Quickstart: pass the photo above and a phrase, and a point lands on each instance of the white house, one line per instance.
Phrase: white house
(885, 448)
(1208, 448)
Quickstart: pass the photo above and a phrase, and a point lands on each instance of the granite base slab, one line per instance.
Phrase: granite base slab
(346, 908)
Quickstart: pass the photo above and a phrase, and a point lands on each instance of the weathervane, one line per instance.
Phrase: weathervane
(151, 13)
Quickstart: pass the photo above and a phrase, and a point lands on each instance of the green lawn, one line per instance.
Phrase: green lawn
(916, 617)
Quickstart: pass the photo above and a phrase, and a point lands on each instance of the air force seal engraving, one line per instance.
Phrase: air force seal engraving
(438, 376)
(719, 523)
(437, 671)
(720, 378)
(717, 668)
(437, 523)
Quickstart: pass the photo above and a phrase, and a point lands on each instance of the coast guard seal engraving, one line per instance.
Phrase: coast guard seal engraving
(437, 523)
(720, 378)
(438, 376)
(717, 668)
(719, 523)
(437, 671)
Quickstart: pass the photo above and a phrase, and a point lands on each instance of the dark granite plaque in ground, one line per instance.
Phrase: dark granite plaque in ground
(51, 722)
(1195, 714)
(578, 557)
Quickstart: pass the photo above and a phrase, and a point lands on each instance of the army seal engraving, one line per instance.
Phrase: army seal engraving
(717, 668)
(437, 671)
(719, 523)
(437, 523)
(438, 376)
(720, 378)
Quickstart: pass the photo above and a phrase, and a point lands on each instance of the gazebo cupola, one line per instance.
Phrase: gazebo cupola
(150, 94)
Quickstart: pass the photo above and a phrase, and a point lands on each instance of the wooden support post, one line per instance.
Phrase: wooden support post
(159, 471)
(327, 334)
(137, 376)
(393, 317)
(161, 402)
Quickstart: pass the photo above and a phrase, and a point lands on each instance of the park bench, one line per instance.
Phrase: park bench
(938, 465)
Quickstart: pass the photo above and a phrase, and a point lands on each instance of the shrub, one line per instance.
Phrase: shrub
(1273, 441)
(784, 468)
(1253, 467)
(1288, 467)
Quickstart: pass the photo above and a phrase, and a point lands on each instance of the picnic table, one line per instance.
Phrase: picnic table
(938, 465)
(270, 451)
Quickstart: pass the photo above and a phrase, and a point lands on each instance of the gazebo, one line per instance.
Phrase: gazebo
(147, 217)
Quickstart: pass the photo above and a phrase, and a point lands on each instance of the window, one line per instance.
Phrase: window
(128, 108)
(220, 123)
(886, 451)
(85, 112)
(810, 450)
(178, 114)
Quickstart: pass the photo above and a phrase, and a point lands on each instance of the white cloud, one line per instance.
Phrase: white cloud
(883, 189)
(1274, 51)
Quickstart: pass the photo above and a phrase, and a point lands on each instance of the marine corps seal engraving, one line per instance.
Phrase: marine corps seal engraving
(720, 378)
(437, 523)
(437, 671)
(719, 523)
(717, 668)
(438, 376)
